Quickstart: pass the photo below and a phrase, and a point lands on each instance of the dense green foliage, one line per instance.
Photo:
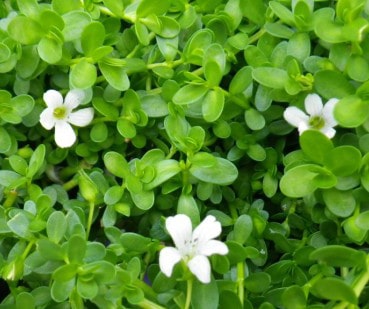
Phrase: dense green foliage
(188, 99)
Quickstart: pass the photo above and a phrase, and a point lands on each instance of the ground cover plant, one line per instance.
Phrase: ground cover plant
(184, 154)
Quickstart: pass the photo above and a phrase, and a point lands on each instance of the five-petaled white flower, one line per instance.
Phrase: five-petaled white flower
(59, 114)
(193, 247)
(319, 117)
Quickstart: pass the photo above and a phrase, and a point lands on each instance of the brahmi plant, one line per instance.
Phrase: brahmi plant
(184, 154)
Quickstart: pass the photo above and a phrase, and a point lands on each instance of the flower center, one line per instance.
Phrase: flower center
(190, 249)
(316, 122)
(60, 112)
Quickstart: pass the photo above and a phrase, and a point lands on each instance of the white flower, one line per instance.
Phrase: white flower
(59, 114)
(193, 247)
(319, 117)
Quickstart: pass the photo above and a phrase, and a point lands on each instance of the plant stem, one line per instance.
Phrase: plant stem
(257, 36)
(147, 304)
(11, 196)
(240, 281)
(90, 217)
(189, 293)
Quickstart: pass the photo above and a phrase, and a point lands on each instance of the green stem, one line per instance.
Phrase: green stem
(90, 218)
(145, 288)
(28, 249)
(70, 184)
(189, 293)
(147, 304)
(257, 36)
(11, 196)
(240, 281)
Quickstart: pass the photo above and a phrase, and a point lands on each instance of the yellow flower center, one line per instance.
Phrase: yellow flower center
(60, 112)
(316, 122)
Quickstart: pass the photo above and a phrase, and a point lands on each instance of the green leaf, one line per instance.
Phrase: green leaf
(83, 75)
(75, 22)
(362, 220)
(5, 53)
(279, 30)
(154, 106)
(6, 141)
(61, 289)
(205, 295)
(64, 6)
(142, 33)
(148, 7)
(351, 111)
(338, 290)
(343, 161)
(358, 68)
(188, 206)
(216, 170)
(195, 48)
(241, 80)
(315, 145)
(50, 250)
(310, 176)
(299, 46)
(22, 104)
(116, 164)
(254, 10)
(93, 36)
(37, 160)
(190, 94)
(282, 12)
(56, 226)
(254, 119)
(25, 30)
(339, 89)
(87, 288)
(164, 170)
(25, 300)
(242, 228)
(18, 164)
(257, 282)
(19, 225)
(143, 199)
(169, 27)
(213, 104)
(8, 177)
(126, 128)
(116, 7)
(270, 77)
(339, 256)
(115, 76)
(340, 203)
(99, 132)
(76, 249)
(294, 297)
(133, 242)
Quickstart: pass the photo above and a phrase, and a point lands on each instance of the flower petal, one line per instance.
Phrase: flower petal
(180, 229)
(200, 267)
(64, 134)
(295, 116)
(168, 257)
(213, 247)
(328, 131)
(74, 98)
(328, 112)
(303, 127)
(47, 119)
(53, 98)
(208, 229)
(82, 117)
(313, 105)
